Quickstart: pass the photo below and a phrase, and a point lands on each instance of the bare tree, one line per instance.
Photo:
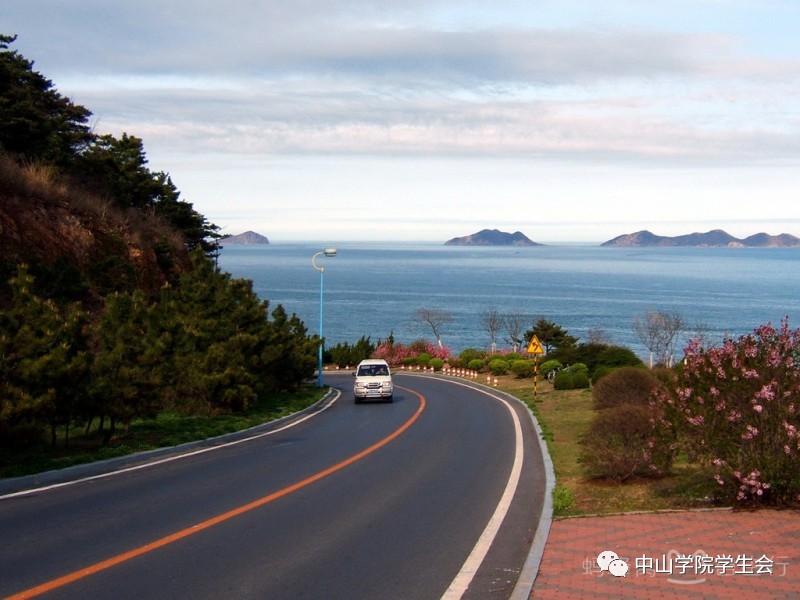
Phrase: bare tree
(658, 331)
(598, 336)
(436, 319)
(514, 323)
(492, 322)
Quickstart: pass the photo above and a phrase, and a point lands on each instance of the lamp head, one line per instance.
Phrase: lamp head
(330, 252)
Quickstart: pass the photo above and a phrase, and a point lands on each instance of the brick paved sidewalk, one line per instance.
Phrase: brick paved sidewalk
(730, 555)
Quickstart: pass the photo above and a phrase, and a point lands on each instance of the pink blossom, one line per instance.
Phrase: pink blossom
(751, 433)
(767, 392)
(735, 416)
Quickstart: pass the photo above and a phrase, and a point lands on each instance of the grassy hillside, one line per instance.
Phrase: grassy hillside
(80, 246)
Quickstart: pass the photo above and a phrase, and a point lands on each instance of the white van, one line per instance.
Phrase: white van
(373, 380)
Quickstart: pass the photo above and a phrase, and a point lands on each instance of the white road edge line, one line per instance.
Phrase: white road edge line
(470, 567)
(162, 461)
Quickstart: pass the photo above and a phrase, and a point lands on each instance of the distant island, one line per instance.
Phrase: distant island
(492, 237)
(711, 239)
(249, 238)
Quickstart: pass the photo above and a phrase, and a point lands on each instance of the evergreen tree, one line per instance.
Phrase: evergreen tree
(127, 354)
(45, 359)
(118, 167)
(551, 335)
(36, 122)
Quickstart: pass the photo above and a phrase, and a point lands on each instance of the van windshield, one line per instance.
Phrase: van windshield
(372, 371)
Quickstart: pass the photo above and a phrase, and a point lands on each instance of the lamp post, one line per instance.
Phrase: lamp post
(330, 253)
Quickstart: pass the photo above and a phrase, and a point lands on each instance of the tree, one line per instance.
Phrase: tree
(551, 335)
(735, 408)
(436, 319)
(45, 359)
(118, 166)
(658, 332)
(514, 324)
(492, 322)
(128, 355)
(36, 122)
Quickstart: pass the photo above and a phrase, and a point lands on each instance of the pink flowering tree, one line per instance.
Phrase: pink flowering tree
(737, 409)
(395, 353)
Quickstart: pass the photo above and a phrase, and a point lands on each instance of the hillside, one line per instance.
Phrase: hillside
(79, 246)
(492, 237)
(715, 238)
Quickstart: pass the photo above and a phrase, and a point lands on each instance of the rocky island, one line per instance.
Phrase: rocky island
(711, 239)
(249, 238)
(492, 237)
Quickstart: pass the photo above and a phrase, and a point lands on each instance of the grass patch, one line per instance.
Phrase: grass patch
(563, 417)
(167, 429)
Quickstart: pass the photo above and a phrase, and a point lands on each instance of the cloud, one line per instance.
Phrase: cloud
(254, 97)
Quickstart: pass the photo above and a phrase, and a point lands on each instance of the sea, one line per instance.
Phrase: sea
(376, 289)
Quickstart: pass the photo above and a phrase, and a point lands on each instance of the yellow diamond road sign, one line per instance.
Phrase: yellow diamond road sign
(535, 347)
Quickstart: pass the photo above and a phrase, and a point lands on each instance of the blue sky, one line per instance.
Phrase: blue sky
(572, 121)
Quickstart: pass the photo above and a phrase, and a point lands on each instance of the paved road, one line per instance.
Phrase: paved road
(359, 501)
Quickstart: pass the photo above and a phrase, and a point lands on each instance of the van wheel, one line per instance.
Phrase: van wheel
(357, 399)
(389, 399)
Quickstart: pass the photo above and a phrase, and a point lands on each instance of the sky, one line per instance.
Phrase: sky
(389, 120)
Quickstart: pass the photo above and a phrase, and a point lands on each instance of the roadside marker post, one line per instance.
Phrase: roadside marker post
(535, 348)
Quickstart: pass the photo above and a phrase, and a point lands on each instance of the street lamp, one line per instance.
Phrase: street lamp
(330, 253)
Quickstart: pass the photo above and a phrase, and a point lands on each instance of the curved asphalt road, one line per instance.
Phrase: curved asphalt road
(358, 501)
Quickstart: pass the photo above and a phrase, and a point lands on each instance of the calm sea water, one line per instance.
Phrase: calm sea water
(375, 289)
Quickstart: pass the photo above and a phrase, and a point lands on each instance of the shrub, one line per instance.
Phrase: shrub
(562, 499)
(578, 368)
(550, 365)
(498, 366)
(476, 364)
(736, 408)
(580, 380)
(423, 359)
(510, 357)
(617, 356)
(436, 363)
(563, 381)
(343, 354)
(469, 354)
(623, 442)
(600, 372)
(522, 368)
(627, 385)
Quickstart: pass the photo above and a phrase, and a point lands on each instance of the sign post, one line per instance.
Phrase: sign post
(535, 348)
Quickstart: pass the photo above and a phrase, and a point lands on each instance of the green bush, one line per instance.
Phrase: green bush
(600, 372)
(469, 354)
(578, 368)
(498, 366)
(424, 359)
(617, 356)
(550, 365)
(476, 364)
(522, 368)
(343, 354)
(436, 363)
(580, 380)
(562, 499)
(563, 381)
(409, 361)
(511, 357)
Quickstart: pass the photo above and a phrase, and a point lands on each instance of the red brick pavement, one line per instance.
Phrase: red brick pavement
(739, 555)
